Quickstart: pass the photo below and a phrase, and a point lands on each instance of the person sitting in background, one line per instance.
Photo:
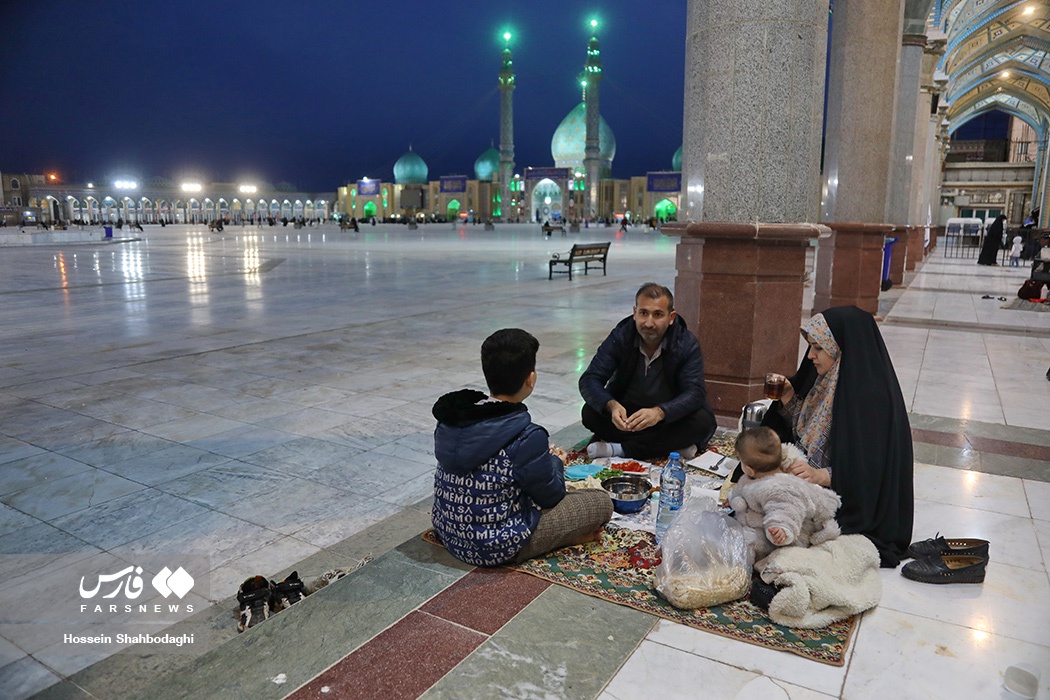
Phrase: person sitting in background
(644, 390)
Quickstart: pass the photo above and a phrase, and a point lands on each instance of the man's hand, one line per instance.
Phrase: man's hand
(644, 418)
(618, 414)
(560, 453)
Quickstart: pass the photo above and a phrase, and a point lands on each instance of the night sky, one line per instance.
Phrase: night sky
(318, 93)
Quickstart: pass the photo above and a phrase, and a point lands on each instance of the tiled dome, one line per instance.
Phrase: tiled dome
(487, 165)
(570, 139)
(410, 169)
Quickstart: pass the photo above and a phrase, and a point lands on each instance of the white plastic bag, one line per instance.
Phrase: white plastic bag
(705, 559)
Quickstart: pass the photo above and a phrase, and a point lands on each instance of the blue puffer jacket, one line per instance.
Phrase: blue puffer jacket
(495, 472)
(613, 366)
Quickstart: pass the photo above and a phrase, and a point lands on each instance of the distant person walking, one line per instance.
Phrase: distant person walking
(993, 240)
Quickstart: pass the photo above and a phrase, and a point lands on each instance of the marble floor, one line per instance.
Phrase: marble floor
(259, 400)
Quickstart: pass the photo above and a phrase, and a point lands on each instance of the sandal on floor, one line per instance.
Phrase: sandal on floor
(256, 602)
(946, 569)
(288, 592)
(939, 545)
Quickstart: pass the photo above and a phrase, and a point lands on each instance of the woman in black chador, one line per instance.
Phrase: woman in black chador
(993, 240)
(845, 409)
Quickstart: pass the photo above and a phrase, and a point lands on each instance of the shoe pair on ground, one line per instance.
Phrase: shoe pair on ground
(260, 598)
(598, 449)
(940, 560)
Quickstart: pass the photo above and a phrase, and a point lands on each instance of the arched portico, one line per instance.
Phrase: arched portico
(546, 201)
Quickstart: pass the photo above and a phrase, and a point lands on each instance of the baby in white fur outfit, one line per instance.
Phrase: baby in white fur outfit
(779, 509)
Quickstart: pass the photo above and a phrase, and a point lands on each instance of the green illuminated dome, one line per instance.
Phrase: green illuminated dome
(410, 169)
(570, 139)
(487, 165)
(676, 160)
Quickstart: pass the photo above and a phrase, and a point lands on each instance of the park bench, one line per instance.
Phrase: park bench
(548, 228)
(585, 253)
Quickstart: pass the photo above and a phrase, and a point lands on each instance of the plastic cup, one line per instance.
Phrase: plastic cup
(774, 386)
(1022, 679)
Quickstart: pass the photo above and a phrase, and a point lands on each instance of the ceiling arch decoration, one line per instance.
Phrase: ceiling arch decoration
(997, 57)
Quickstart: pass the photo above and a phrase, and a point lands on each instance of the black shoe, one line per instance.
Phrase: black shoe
(946, 569)
(288, 592)
(255, 598)
(939, 546)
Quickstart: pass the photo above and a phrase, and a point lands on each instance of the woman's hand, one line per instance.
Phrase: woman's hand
(788, 393)
(560, 454)
(804, 470)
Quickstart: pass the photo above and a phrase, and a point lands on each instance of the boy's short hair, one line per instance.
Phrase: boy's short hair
(759, 448)
(508, 356)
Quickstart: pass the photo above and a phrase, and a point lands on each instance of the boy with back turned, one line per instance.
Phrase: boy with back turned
(499, 492)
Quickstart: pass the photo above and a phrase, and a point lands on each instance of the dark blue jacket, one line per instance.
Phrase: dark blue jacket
(495, 472)
(613, 366)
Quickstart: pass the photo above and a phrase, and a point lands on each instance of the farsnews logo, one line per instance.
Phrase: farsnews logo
(129, 581)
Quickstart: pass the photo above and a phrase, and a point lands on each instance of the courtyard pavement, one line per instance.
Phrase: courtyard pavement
(258, 400)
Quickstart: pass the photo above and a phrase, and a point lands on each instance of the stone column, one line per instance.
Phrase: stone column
(1041, 186)
(849, 266)
(898, 253)
(906, 141)
(925, 201)
(739, 287)
(865, 45)
(750, 182)
(916, 239)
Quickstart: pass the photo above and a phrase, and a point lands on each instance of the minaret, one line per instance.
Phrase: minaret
(592, 78)
(506, 130)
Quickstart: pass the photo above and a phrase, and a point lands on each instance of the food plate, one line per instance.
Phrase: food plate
(630, 466)
(579, 472)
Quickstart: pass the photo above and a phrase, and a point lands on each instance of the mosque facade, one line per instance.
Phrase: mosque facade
(36, 197)
(577, 189)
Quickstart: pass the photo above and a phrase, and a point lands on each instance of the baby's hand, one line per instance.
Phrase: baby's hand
(777, 536)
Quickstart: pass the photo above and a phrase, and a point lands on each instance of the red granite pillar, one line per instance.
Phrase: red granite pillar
(849, 266)
(898, 254)
(916, 242)
(739, 287)
(935, 233)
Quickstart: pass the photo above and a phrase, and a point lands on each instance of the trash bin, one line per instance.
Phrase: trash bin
(887, 253)
(108, 230)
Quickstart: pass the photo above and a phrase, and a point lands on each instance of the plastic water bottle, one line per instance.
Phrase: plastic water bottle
(672, 494)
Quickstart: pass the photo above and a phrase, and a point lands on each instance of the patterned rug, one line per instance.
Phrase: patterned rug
(620, 569)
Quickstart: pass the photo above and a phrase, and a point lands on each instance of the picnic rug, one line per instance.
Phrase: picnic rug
(620, 569)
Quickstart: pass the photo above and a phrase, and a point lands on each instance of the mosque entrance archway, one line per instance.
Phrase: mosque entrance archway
(665, 210)
(453, 210)
(546, 201)
(369, 209)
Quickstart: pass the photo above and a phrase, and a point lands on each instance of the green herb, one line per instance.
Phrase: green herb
(608, 474)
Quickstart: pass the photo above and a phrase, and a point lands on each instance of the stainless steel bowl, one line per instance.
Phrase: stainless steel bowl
(629, 493)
